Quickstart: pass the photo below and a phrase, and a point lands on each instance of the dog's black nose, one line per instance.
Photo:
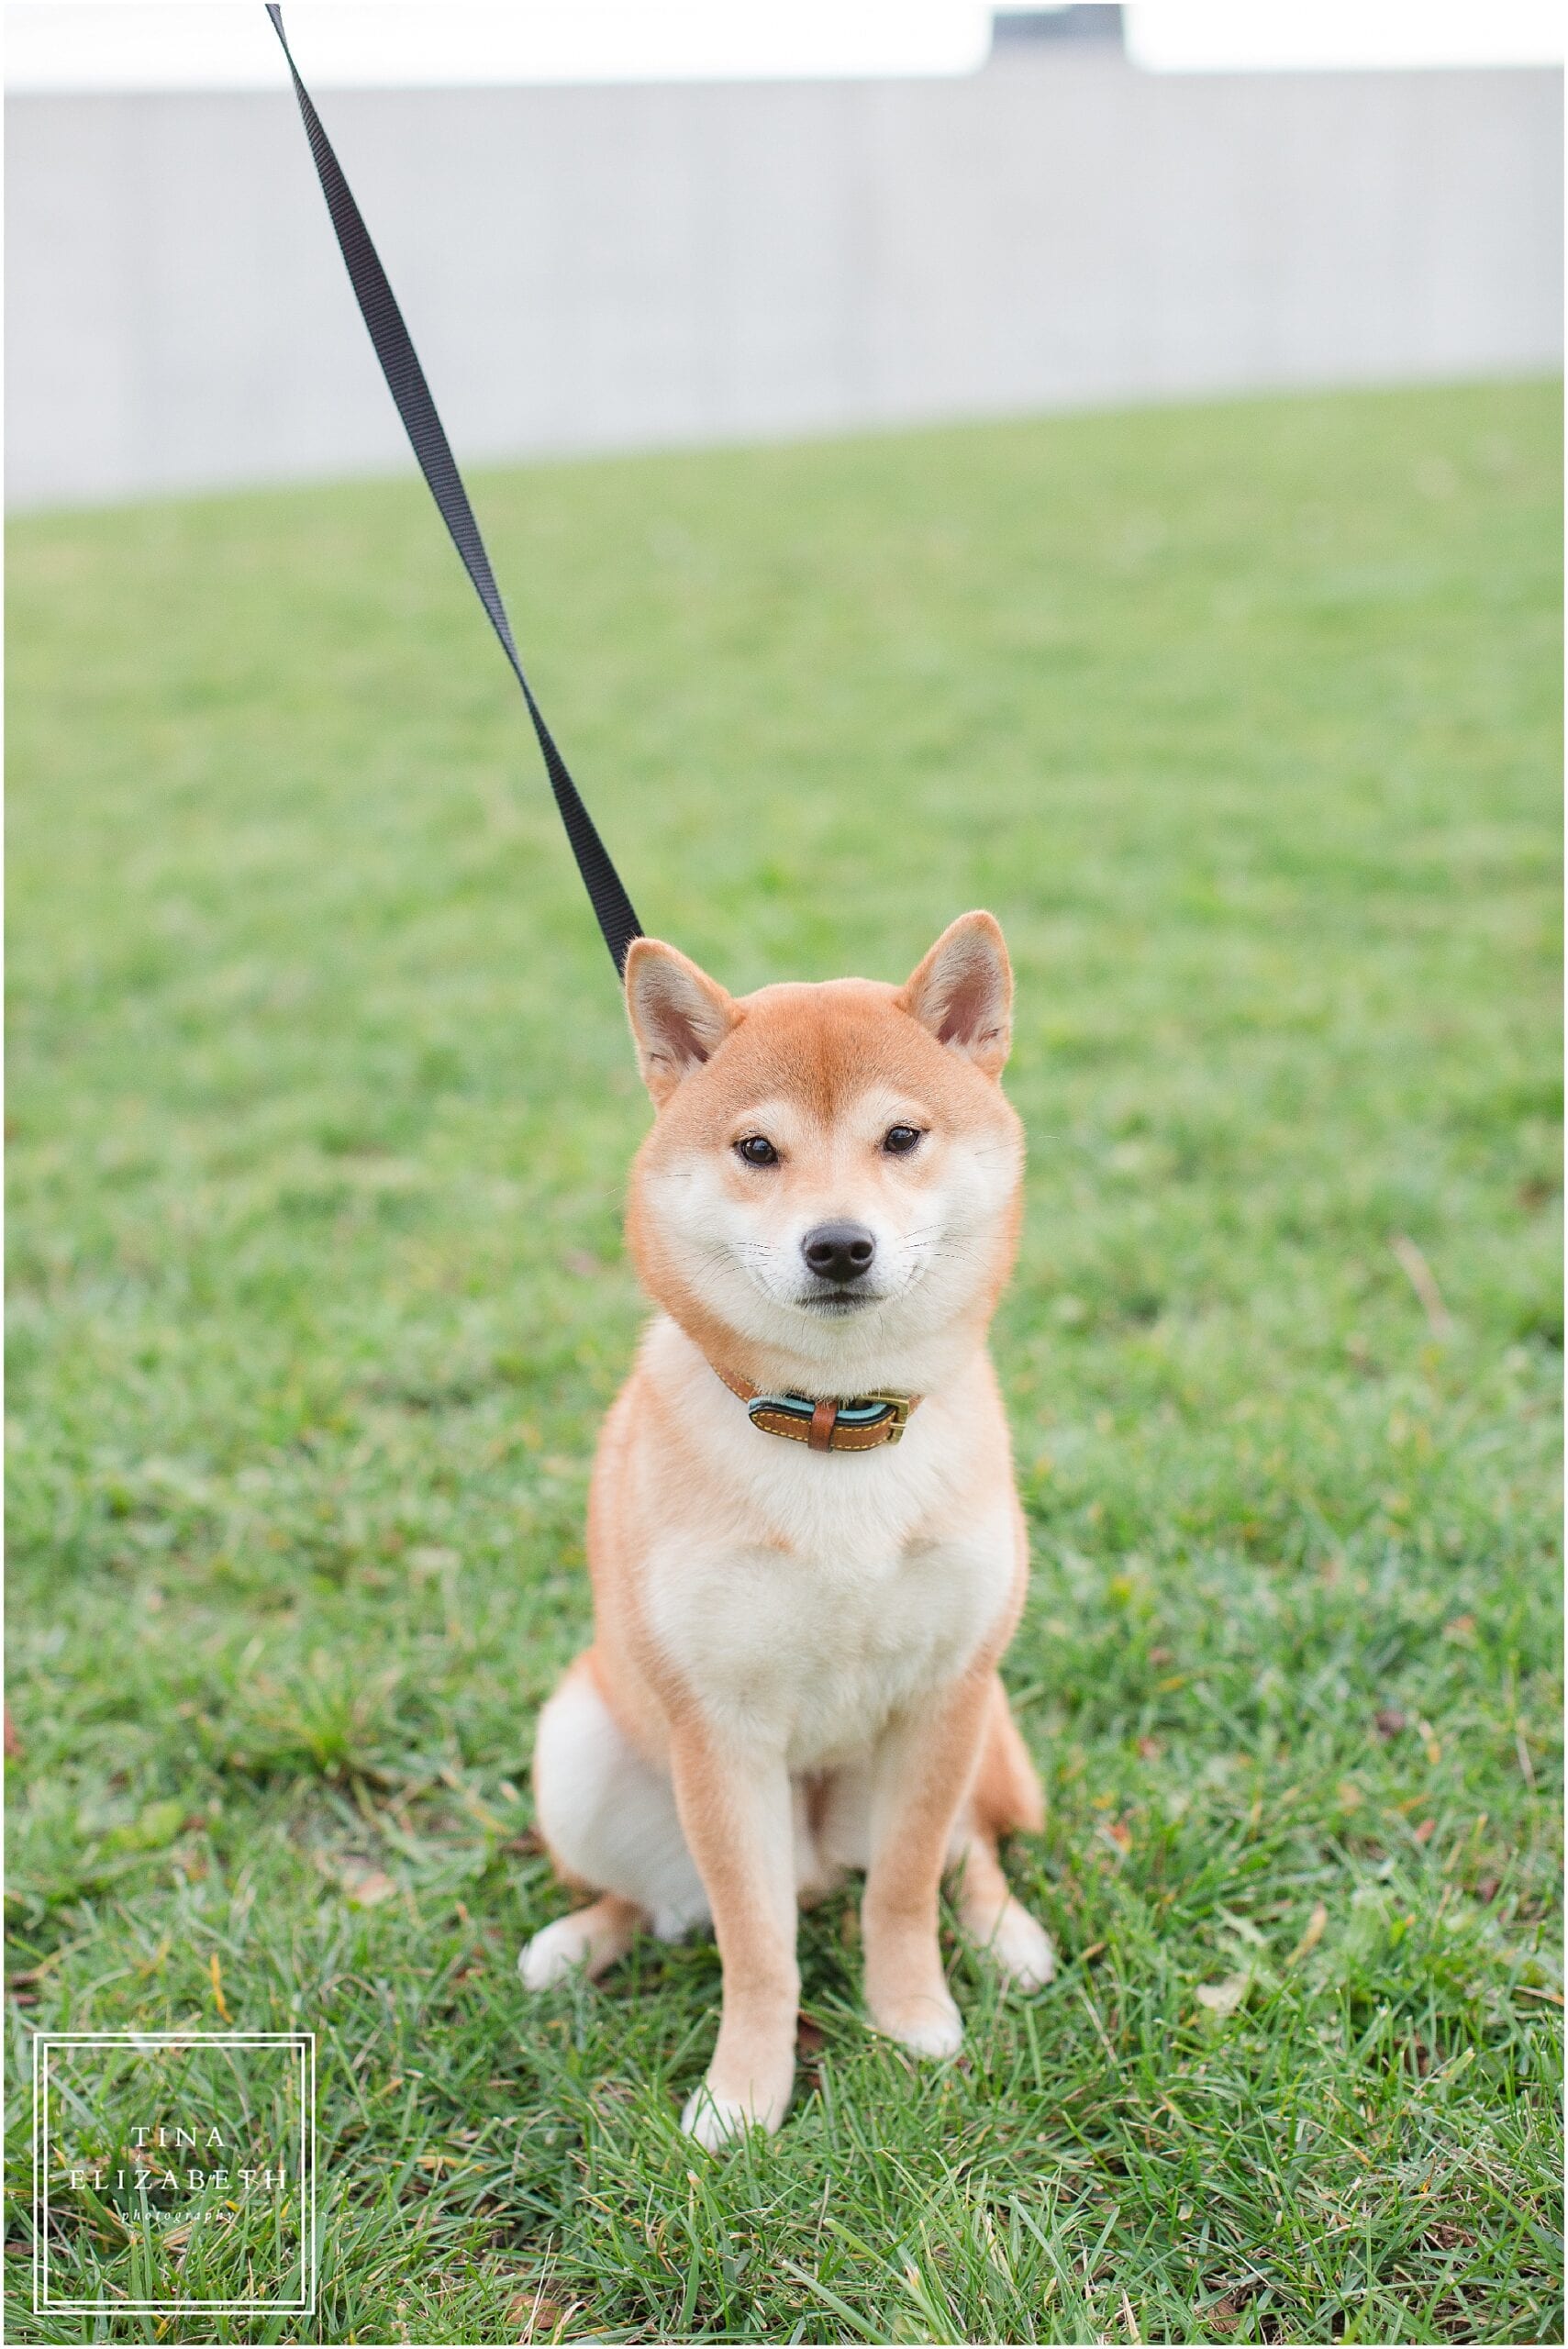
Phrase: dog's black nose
(839, 1251)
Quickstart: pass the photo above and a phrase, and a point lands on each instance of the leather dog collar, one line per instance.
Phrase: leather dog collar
(828, 1423)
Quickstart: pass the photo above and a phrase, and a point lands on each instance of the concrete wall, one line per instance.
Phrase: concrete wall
(620, 267)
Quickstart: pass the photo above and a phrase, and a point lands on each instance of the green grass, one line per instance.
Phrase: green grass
(1244, 721)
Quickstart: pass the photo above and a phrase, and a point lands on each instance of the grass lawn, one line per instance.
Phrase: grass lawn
(1243, 719)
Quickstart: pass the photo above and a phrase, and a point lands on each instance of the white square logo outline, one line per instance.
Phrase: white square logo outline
(301, 2042)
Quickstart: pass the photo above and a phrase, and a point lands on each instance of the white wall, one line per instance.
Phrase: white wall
(621, 267)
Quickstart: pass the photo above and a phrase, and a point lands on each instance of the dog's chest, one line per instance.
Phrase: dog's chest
(811, 1648)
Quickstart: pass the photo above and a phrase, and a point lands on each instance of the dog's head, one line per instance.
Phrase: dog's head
(832, 1179)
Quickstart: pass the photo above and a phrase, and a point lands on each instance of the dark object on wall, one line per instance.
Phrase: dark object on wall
(1024, 32)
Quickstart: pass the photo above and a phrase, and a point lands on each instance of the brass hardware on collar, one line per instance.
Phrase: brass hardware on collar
(902, 1407)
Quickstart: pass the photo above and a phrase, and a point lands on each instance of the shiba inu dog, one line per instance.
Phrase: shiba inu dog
(806, 1550)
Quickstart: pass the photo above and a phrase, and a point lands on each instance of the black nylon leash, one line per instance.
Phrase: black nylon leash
(406, 382)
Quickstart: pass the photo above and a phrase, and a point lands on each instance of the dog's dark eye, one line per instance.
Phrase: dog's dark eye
(757, 1150)
(900, 1139)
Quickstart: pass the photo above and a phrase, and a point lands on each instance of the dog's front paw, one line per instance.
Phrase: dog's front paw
(552, 1954)
(714, 2120)
(591, 1938)
(1020, 1949)
(929, 2026)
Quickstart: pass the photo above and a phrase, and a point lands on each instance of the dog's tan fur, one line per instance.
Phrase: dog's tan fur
(794, 1668)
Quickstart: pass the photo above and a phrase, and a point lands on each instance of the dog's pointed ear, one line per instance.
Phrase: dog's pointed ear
(963, 992)
(679, 1016)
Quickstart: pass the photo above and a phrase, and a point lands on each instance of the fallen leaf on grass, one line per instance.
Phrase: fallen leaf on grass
(1426, 1830)
(366, 1887)
(809, 2040)
(536, 2317)
(1222, 1998)
(1423, 1280)
(1223, 2316)
(1312, 1936)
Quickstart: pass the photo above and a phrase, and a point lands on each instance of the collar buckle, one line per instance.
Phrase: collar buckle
(901, 1407)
